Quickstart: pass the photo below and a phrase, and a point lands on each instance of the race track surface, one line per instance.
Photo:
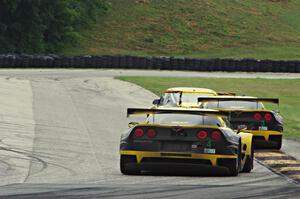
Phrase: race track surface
(59, 137)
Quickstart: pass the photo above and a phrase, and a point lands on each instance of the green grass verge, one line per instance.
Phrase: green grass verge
(286, 90)
(196, 28)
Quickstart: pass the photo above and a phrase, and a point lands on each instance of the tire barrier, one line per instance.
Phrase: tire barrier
(137, 62)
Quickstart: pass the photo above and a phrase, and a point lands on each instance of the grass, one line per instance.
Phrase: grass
(286, 90)
(196, 28)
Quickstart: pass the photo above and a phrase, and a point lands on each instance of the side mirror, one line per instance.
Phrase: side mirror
(132, 124)
(241, 128)
(156, 102)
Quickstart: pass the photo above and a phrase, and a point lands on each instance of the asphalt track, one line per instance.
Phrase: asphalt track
(59, 136)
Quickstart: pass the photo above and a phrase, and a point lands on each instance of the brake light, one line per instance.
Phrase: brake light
(151, 133)
(216, 135)
(138, 132)
(257, 116)
(202, 135)
(268, 116)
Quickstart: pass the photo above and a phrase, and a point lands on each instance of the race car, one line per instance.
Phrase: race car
(185, 96)
(250, 114)
(184, 137)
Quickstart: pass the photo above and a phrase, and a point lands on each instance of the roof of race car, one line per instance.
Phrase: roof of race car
(190, 90)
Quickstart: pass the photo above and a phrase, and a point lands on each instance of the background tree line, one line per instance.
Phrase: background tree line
(45, 26)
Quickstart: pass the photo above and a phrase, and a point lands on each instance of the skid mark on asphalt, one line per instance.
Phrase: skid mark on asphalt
(280, 163)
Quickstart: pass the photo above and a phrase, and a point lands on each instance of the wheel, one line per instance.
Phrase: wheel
(249, 161)
(125, 168)
(278, 141)
(235, 166)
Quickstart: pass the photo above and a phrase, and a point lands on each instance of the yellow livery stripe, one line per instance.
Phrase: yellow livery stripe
(264, 134)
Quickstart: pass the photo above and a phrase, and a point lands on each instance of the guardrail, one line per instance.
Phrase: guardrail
(135, 62)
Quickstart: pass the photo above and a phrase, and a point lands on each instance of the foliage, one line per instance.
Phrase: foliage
(36, 26)
(197, 28)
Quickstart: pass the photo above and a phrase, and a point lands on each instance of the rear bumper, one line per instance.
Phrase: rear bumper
(151, 158)
(179, 168)
(265, 135)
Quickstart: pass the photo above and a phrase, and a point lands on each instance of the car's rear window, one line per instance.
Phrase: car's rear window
(184, 120)
(190, 97)
(234, 105)
(173, 98)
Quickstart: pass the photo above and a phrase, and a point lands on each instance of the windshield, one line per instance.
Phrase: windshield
(184, 120)
(173, 98)
(234, 105)
(189, 97)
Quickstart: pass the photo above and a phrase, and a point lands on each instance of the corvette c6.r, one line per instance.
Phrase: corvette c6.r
(249, 114)
(180, 137)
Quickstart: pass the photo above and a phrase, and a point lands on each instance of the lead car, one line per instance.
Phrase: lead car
(182, 137)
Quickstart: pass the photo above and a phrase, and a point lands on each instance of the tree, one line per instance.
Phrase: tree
(39, 26)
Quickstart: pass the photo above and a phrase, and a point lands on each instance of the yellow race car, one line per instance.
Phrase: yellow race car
(185, 96)
(184, 138)
(249, 114)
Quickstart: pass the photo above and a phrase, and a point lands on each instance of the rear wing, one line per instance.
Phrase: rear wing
(146, 111)
(202, 92)
(237, 98)
(192, 92)
(226, 93)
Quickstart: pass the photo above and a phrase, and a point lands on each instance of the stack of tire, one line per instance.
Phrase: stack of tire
(154, 63)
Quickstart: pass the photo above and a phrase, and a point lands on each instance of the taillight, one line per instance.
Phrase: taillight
(268, 116)
(151, 133)
(257, 116)
(216, 135)
(202, 135)
(138, 132)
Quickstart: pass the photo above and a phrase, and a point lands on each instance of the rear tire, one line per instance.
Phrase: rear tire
(249, 161)
(124, 167)
(235, 166)
(278, 142)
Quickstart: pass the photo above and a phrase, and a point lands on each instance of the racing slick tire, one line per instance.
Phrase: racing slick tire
(234, 168)
(249, 161)
(278, 141)
(125, 168)
(234, 165)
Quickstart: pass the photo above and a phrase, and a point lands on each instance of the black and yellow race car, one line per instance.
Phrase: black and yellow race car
(181, 137)
(250, 114)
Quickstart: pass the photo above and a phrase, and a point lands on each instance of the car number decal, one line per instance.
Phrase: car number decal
(263, 128)
(211, 151)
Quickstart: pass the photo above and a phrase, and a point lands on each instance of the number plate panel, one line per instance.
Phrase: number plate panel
(176, 146)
